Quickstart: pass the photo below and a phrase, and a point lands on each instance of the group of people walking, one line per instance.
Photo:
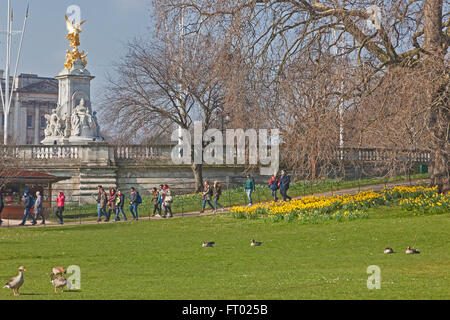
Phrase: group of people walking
(113, 203)
(209, 193)
(162, 201)
(276, 182)
(33, 207)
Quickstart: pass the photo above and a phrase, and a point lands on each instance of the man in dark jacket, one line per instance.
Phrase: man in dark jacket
(1, 207)
(284, 185)
(134, 203)
(120, 202)
(28, 204)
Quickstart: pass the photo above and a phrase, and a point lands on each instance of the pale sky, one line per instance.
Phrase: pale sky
(110, 24)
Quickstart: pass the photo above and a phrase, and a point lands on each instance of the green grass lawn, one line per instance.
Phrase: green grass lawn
(163, 259)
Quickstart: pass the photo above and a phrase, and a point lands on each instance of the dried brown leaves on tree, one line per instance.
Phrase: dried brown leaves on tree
(398, 97)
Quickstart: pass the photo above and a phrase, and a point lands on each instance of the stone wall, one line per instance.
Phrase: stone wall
(144, 167)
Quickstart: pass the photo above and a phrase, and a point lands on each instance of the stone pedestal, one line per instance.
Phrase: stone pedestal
(73, 121)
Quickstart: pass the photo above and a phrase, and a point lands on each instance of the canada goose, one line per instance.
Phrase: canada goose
(255, 243)
(16, 282)
(60, 282)
(409, 250)
(388, 250)
(208, 244)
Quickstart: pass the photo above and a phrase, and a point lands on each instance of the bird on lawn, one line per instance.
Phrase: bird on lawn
(255, 243)
(208, 244)
(409, 250)
(388, 250)
(16, 282)
(57, 271)
(60, 282)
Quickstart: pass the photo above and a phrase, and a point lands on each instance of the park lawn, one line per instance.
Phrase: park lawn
(163, 259)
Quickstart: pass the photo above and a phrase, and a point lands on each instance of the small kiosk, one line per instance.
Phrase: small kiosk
(13, 185)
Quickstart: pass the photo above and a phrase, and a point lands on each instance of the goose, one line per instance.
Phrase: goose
(57, 271)
(208, 244)
(255, 243)
(60, 282)
(388, 250)
(409, 250)
(16, 282)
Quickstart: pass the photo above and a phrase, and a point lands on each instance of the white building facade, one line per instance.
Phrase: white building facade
(33, 97)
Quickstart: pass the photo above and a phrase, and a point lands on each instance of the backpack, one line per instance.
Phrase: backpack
(31, 202)
(139, 199)
(274, 185)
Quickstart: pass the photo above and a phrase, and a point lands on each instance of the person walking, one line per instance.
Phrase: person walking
(249, 187)
(134, 203)
(120, 202)
(60, 201)
(160, 199)
(284, 185)
(28, 202)
(167, 201)
(217, 192)
(112, 204)
(274, 184)
(2, 205)
(38, 208)
(206, 196)
(101, 206)
(155, 201)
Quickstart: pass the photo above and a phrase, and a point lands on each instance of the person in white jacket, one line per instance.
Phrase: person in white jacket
(38, 208)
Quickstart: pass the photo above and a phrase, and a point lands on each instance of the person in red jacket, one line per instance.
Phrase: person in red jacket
(60, 206)
(274, 184)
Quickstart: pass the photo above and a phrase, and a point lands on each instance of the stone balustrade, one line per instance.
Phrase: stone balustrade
(382, 154)
(135, 153)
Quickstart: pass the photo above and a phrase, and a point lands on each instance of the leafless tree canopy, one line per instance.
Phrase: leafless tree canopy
(393, 80)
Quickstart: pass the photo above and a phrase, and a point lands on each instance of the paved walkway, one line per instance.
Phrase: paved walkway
(377, 187)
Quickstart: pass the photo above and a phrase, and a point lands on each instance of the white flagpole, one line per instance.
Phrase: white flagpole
(6, 98)
(18, 55)
(180, 88)
(6, 102)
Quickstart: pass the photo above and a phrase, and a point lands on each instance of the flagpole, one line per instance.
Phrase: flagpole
(6, 98)
(6, 102)
(19, 54)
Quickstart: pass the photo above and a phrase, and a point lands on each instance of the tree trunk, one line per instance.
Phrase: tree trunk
(439, 117)
(440, 137)
(198, 176)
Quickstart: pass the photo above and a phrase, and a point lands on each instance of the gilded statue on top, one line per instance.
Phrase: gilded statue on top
(74, 30)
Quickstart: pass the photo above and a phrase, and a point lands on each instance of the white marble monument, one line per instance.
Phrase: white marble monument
(73, 121)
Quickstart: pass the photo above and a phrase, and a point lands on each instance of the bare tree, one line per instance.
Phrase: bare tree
(164, 84)
(9, 164)
(408, 36)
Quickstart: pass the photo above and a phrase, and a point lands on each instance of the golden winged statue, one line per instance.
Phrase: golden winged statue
(74, 30)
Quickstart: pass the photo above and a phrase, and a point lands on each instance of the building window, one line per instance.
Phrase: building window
(29, 121)
(43, 122)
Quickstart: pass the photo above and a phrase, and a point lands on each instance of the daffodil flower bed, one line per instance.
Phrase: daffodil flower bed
(427, 204)
(312, 209)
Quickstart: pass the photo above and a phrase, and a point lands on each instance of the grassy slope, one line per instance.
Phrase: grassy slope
(163, 259)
